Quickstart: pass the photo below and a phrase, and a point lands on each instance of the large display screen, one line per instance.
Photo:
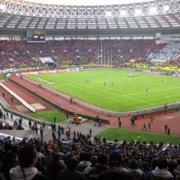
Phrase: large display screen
(36, 36)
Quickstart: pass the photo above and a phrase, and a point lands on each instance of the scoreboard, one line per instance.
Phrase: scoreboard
(36, 36)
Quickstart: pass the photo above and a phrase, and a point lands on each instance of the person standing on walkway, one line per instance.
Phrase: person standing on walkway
(119, 122)
(165, 129)
(168, 131)
(90, 133)
(41, 133)
(150, 126)
(30, 124)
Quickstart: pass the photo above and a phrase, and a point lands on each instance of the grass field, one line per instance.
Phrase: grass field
(49, 116)
(118, 90)
(122, 134)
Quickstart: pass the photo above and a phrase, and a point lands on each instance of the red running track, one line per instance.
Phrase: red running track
(172, 119)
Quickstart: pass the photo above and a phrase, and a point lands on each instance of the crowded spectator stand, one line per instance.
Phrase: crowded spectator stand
(20, 54)
(88, 158)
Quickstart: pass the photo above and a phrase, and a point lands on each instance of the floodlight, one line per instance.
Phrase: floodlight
(152, 10)
(138, 12)
(108, 13)
(123, 13)
(2, 7)
(165, 8)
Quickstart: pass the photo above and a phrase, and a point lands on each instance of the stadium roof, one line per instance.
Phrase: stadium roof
(150, 16)
(87, 3)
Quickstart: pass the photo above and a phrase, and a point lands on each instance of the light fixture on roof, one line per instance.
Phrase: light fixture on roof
(123, 13)
(166, 8)
(2, 7)
(153, 10)
(138, 12)
(108, 13)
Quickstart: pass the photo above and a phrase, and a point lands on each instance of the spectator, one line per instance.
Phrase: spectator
(26, 168)
(161, 170)
(116, 170)
(70, 172)
(100, 167)
(10, 160)
(146, 171)
(8, 126)
(55, 166)
(94, 161)
(84, 161)
(177, 170)
(172, 165)
(134, 171)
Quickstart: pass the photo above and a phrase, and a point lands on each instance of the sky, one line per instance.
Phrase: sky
(89, 2)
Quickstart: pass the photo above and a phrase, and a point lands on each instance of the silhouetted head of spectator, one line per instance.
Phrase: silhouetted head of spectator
(178, 161)
(94, 160)
(10, 160)
(72, 163)
(146, 166)
(57, 160)
(162, 163)
(7, 146)
(133, 164)
(27, 156)
(172, 165)
(126, 162)
(151, 143)
(102, 158)
(85, 156)
(38, 148)
(154, 163)
(115, 159)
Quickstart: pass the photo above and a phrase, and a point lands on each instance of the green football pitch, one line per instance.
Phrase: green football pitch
(117, 90)
(123, 134)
